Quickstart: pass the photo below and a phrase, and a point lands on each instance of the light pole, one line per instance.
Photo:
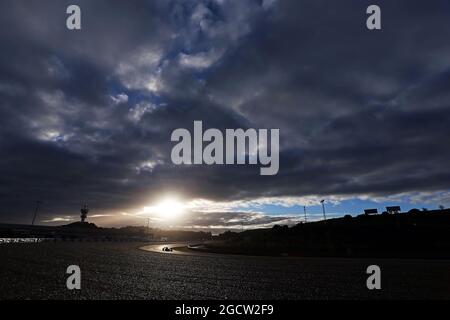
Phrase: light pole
(323, 209)
(304, 210)
(38, 203)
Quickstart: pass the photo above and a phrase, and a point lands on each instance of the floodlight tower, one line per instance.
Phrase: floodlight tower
(323, 209)
(304, 210)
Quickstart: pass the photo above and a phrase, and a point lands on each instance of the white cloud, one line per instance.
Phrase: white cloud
(119, 98)
(140, 109)
(203, 205)
(200, 60)
(148, 166)
(54, 136)
(100, 215)
(60, 219)
(142, 71)
(434, 198)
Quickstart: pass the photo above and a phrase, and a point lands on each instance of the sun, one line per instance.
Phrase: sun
(167, 209)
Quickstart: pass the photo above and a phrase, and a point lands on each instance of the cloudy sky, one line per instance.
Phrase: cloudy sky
(86, 116)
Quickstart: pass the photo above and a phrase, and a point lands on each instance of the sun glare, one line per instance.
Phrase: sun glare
(168, 209)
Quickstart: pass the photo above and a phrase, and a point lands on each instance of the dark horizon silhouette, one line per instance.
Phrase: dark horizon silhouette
(224, 149)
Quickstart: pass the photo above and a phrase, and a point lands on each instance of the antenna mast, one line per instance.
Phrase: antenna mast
(84, 211)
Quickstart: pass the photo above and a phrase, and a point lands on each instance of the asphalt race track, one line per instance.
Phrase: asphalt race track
(124, 271)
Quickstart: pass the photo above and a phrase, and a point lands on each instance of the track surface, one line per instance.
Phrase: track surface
(123, 271)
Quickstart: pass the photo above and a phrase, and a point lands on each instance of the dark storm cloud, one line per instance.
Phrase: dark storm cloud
(87, 115)
(360, 112)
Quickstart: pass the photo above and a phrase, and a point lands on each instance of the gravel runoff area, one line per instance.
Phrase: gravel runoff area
(123, 271)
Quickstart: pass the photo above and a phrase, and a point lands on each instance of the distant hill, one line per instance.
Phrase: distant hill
(85, 230)
(81, 225)
(416, 234)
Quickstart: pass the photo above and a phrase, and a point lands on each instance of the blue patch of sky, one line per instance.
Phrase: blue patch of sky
(353, 207)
